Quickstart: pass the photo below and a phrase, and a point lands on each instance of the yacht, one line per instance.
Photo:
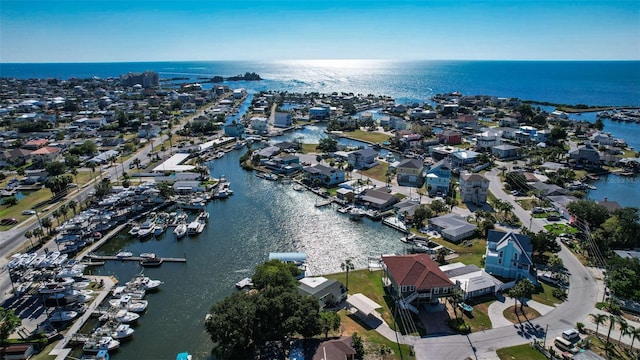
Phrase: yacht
(158, 230)
(134, 230)
(93, 346)
(125, 317)
(124, 254)
(116, 331)
(151, 261)
(195, 228)
(127, 303)
(146, 229)
(180, 231)
(144, 282)
(62, 316)
(356, 214)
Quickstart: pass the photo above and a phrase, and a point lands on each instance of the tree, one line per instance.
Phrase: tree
(9, 323)
(102, 189)
(63, 211)
(358, 345)
(274, 273)
(58, 184)
(598, 124)
(441, 255)
(327, 145)
(598, 319)
(558, 133)
(421, 213)
(55, 168)
(28, 234)
(613, 319)
(347, 266)
(329, 321)
(456, 298)
(47, 224)
(634, 333)
(555, 263)
(57, 215)
(590, 211)
(438, 206)
(520, 291)
(517, 181)
(10, 201)
(623, 325)
(73, 205)
(232, 325)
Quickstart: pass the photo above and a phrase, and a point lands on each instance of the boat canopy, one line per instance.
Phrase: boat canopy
(288, 256)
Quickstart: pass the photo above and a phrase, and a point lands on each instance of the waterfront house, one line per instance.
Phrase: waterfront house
(340, 348)
(363, 158)
(472, 280)
(329, 293)
(450, 137)
(612, 206)
(505, 151)
(543, 189)
(268, 152)
(441, 152)
(328, 176)
(281, 120)
(410, 172)
(286, 164)
(260, 124)
(377, 199)
(187, 187)
(561, 203)
(235, 129)
(452, 227)
(319, 112)
(474, 188)
(415, 278)
(438, 178)
(508, 255)
(405, 209)
(508, 122)
(586, 154)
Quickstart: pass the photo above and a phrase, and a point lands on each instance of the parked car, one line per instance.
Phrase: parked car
(28, 212)
(538, 210)
(553, 218)
(8, 221)
(571, 334)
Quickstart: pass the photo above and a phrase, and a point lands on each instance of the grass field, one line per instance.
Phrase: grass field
(545, 296)
(368, 136)
(308, 148)
(520, 352)
(519, 316)
(558, 229)
(377, 172)
(479, 318)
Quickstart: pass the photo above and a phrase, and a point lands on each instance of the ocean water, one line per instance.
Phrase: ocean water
(264, 216)
(569, 82)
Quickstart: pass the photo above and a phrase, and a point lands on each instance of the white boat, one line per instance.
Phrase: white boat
(180, 231)
(62, 316)
(134, 230)
(203, 217)
(146, 229)
(93, 346)
(124, 254)
(125, 317)
(52, 288)
(60, 259)
(144, 282)
(356, 213)
(127, 303)
(195, 228)
(298, 187)
(244, 283)
(137, 294)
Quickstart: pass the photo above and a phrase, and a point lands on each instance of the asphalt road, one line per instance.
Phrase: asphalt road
(583, 293)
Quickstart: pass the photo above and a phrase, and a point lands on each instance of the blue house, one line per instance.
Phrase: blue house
(438, 179)
(508, 255)
(234, 129)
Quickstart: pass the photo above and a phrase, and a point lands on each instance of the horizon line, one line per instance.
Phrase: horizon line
(310, 60)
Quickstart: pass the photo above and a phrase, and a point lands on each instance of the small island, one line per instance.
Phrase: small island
(246, 77)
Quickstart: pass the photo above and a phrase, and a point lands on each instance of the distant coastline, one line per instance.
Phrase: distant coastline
(246, 77)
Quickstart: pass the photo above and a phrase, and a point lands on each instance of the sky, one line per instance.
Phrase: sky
(162, 30)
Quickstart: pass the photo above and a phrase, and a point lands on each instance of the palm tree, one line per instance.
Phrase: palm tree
(624, 326)
(598, 319)
(47, 224)
(612, 323)
(73, 205)
(347, 266)
(56, 214)
(634, 333)
(456, 298)
(28, 234)
(63, 211)
(136, 162)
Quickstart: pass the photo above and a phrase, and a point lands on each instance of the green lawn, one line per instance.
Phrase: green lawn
(558, 229)
(308, 148)
(377, 172)
(520, 352)
(526, 204)
(26, 203)
(369, 136)
(368, 283)
(544, 215)
(544, 296)
(479, 318)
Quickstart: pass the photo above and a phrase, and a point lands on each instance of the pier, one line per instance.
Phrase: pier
(132, 258)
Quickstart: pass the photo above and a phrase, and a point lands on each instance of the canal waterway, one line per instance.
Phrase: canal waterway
(261, 217)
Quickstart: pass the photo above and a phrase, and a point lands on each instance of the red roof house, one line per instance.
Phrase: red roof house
(416, 277)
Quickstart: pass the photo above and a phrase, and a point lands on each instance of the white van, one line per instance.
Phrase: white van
(565, 345)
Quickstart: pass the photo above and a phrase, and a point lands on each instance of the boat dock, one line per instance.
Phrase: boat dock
(323, 203)
(132, 258)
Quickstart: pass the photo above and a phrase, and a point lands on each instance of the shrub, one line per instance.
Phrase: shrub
(580, 326)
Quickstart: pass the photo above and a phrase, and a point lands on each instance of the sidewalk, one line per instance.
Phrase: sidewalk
(497, 309)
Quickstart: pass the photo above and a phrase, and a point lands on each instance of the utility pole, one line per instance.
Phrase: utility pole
(544, 343)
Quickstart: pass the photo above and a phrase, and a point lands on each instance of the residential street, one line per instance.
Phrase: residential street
(583, 294)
